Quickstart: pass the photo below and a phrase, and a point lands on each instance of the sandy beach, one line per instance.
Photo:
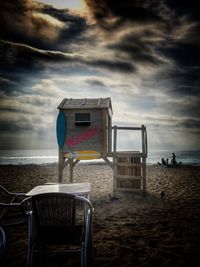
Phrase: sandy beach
(132, 230)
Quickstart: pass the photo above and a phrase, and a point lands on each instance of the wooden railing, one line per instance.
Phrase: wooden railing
(144, 149)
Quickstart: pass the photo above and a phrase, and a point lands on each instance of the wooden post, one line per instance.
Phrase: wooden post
(104, 129)
(144, 154)
(144, 174)
(143, 139)
(60, 165)
(71, 166)
(146, 144)
(109, 136)
(115, 160)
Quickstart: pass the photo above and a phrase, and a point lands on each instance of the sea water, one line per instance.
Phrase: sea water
(186, 157)
(19, 157)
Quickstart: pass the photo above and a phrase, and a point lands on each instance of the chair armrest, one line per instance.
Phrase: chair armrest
(15, 195)
(12, 204)
(29, 212)
(11, 193)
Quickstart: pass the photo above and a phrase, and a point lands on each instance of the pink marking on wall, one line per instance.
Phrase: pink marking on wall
(82, 137)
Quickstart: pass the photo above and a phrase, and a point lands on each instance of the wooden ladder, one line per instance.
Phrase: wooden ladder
(129, 167)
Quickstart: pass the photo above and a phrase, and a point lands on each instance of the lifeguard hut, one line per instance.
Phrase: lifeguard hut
(85, 132)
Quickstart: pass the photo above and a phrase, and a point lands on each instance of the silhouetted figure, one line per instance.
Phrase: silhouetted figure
(163, 162)
(173, 161)
(167, 162)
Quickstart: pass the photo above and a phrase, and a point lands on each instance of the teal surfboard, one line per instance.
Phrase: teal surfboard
(61, 126)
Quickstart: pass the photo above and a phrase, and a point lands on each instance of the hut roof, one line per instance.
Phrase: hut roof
(86, 103)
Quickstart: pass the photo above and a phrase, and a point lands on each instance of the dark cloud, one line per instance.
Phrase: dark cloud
(75, 26)
(95, 82)
(113, 65)
(38, 25)
(136, 11)
(150, 37)
(191, 124)
(185, 7)
(15, 127)
(186, 81)
(135, 49)
(20, 64)
(16, 55)
(161, 24)
(149, 44)
(184, 54)
(33, 37)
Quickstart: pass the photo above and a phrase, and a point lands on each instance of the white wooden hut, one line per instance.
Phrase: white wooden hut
(85, 129)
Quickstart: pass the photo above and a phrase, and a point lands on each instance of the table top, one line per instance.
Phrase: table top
(72, 188)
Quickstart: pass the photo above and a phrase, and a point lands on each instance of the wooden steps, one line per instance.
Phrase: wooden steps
(129, 171)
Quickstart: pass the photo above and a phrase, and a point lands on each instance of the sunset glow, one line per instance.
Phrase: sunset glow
(62, 4)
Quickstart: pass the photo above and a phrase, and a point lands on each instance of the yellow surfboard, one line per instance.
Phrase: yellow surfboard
(83, 154)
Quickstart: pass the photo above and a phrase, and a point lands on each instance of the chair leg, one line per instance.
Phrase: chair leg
(87, 256)
(2, 241)
(90, 255)
(30, 256)
(83, 256)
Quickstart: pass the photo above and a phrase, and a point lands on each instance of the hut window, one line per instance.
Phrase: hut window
(82, 119)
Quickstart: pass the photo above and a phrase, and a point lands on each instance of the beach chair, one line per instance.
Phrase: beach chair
(60, 222)
(12, 207)
(2, 241)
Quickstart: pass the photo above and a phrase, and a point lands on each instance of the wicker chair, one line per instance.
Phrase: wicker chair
(12, 207)
(2, 242)
(60, 222)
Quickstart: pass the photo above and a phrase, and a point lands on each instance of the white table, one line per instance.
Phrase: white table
(81, 189)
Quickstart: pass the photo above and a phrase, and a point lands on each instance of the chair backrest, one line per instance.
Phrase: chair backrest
(5, 195)
(56, 217)
(13, 207)
(2, 241)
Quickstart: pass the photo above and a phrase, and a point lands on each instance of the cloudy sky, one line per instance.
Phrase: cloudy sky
(144, 54)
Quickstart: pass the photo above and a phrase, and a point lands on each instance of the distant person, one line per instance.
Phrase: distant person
(167, 162)
(173, 161)
(163, 162)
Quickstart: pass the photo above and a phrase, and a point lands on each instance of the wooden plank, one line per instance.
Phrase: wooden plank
(109, 133)
(60, 165)
(132, 154)
(109, 162)
(104, 130)
(144, 174)
(115, 159)
(129, 164)
(129, 177)
(71, 170)
(128, 128)
(83, 155)
(88, 103)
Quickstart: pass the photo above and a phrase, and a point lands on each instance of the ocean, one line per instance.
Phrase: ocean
(20, 157)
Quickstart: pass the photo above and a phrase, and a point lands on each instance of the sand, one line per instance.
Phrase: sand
(132, 230)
